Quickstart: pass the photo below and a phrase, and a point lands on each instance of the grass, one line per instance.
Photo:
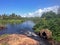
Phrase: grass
(10, 21)
(57, 38)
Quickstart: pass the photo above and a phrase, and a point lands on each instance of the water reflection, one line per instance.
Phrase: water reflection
(18, 28)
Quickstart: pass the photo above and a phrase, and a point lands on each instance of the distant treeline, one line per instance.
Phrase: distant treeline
(11, 16)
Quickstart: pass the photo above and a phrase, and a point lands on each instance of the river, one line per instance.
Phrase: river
(24, 28)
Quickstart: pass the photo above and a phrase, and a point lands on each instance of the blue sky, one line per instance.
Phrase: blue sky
(25, 6)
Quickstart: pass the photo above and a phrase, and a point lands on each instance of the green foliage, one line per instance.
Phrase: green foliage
(11, 16)
(11, 21)
(50, 21)
(49, 15)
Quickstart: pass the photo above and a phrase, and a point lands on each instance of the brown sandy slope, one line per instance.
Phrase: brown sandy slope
(18, 39)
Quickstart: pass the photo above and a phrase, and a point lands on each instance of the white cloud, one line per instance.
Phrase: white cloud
(39, 12)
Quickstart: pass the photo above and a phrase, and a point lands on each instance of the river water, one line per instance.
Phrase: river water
(23, 28)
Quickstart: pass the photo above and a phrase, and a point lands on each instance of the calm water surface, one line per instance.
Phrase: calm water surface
(22, 28)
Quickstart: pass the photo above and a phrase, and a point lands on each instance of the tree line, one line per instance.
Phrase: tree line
(11, 16)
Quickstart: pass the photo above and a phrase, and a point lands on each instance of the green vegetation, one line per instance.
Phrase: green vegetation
(12, 21)
(50, 21)
(12, 18)
(34, 19)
